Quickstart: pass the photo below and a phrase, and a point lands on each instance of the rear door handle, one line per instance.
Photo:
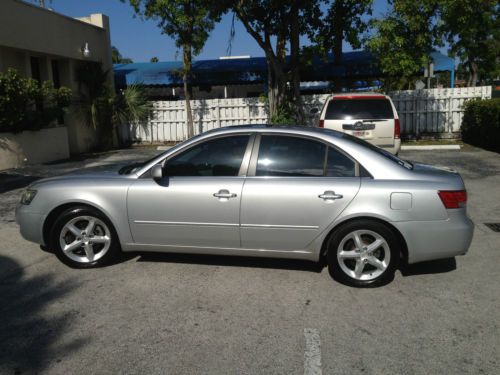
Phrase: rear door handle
(330, 195)
(223, 193)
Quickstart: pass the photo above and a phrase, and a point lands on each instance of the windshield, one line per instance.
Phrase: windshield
(134, 167)
(378, 150)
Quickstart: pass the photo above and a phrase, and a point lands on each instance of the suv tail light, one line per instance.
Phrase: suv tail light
(321, 123)
(453, 198)
(397, 129)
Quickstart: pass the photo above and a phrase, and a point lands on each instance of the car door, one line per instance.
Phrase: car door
(197, 202)
(296, 187)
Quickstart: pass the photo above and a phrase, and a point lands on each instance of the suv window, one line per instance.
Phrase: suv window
(216, 157)
(357, 109)
(339, 165)
(290, 156)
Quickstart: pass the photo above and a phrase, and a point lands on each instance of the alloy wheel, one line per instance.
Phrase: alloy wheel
(85, 239)
(363, 255)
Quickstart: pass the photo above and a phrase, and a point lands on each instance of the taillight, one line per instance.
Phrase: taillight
(321, 123)
(453, 198)
(397, 129)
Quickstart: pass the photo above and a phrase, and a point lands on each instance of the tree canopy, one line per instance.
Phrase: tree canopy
(117, 57)
(472, 30)
(188, 23)
(403, 40)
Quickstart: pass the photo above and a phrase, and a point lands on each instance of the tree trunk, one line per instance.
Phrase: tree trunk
(338, 36)
(270, 90)
(187, 88)
(276, 79)
(295, 62)
(473, 72)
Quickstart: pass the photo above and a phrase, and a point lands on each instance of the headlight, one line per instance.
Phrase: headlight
(28, 196)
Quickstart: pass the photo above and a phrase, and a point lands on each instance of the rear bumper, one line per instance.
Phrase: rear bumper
(430, 240)
(30, 224)
(395, 148)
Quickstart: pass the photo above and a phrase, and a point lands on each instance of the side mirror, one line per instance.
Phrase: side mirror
(157, 172)
(313, 111)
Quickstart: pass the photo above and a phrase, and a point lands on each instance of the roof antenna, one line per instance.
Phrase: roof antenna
(232, 32)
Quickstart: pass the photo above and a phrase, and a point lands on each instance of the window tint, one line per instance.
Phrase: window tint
(218, 157)
(290, 156)
(339, 165)
(354, 109)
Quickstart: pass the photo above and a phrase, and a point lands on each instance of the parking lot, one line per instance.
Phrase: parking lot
(168, 313)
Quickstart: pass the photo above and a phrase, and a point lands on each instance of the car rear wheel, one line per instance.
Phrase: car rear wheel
(82, 237)
(363, 253)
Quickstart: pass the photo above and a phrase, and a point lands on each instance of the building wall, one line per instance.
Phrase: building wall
(33, 147)
(28, 31)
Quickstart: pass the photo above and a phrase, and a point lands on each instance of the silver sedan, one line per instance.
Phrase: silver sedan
(283, 192)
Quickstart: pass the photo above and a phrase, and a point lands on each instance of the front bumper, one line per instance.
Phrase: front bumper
(430, 240)
(30, 224)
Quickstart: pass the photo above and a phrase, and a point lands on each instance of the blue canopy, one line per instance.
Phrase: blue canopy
(355, 65)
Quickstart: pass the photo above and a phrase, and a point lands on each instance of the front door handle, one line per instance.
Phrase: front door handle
(330, 195)
(224, 194)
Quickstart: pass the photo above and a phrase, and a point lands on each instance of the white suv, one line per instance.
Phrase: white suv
(369, 116)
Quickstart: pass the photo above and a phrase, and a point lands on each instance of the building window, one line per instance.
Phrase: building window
(55, 74)
(35, 69)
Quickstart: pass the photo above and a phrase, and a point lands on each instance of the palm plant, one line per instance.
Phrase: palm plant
(131, 107)
(106, 111)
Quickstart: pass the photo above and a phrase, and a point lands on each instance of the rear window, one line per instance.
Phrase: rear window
(357, 109)
(378, 150)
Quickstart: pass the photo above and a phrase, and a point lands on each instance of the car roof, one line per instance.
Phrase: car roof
(359, 95)
(264, 128)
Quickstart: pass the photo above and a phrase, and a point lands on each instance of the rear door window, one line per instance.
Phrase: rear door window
(339, 165)
(357, 109)
(290, 157)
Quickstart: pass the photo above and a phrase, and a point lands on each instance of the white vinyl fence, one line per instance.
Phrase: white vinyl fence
(437, 111)
(421, 111)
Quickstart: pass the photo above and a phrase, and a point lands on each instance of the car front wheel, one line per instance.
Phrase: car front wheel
(82, 237)
(363, 253)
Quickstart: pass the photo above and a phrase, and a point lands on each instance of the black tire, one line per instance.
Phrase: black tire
(366, 228)
(102, 224)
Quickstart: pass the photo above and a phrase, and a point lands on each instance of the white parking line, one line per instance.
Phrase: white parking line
(312, 355)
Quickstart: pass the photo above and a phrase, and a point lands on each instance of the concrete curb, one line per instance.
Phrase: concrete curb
(430, 147)
(163, 148)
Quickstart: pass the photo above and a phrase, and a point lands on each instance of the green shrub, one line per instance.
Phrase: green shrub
(27, 105)
(17, 94)
(284, 116)
(481, 123)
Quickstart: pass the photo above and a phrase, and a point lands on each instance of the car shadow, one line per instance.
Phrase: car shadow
(30, 335)
(430, 267)
(230, 261)
(424, 268)
(9, 181)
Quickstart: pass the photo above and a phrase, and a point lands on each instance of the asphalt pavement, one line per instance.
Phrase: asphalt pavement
(190, 314)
